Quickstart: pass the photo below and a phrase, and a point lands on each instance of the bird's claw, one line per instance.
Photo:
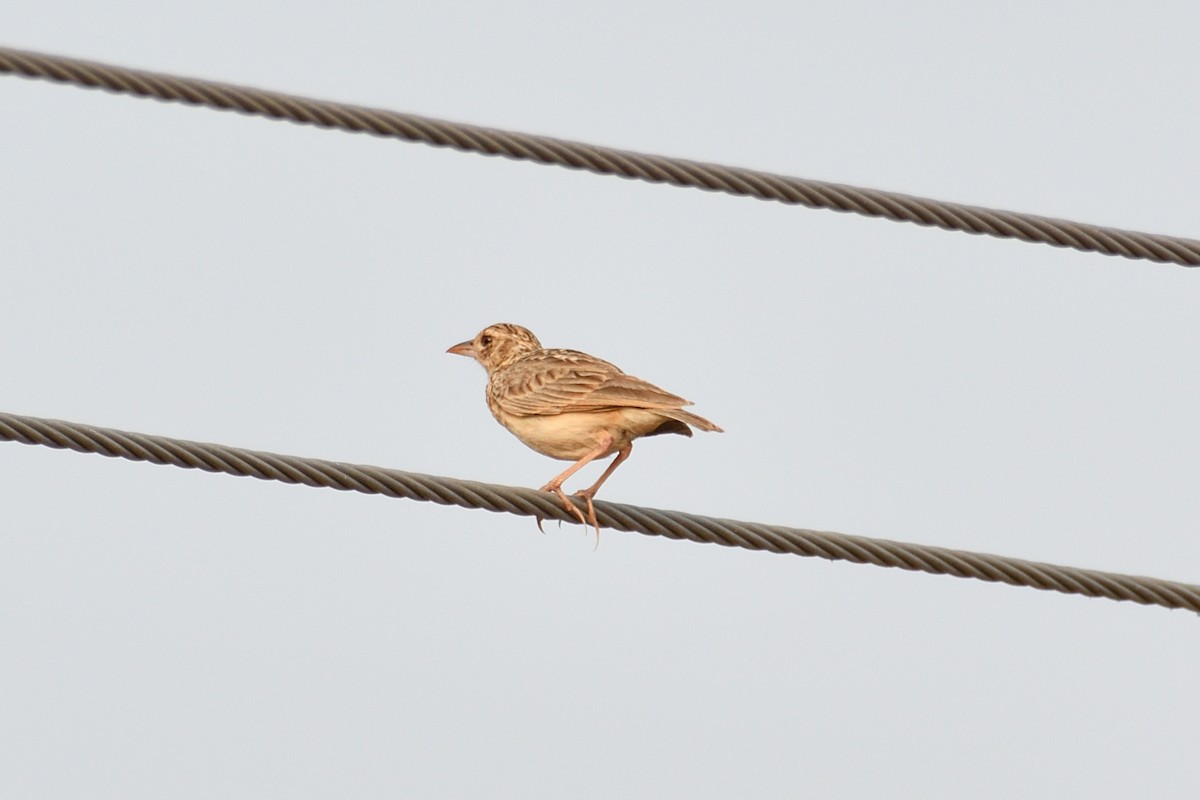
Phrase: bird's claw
(591, 512)
(567, 504)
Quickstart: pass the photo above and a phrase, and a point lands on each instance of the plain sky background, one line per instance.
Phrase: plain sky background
(167, 633)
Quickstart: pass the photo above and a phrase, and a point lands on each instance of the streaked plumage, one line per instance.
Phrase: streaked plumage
(572, 406)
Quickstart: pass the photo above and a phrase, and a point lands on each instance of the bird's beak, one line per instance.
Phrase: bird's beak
(463, 349)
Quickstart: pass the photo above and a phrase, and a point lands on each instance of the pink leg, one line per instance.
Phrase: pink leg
(590, 492)
(555, 485)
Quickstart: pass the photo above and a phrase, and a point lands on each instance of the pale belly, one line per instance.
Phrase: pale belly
(573, 435)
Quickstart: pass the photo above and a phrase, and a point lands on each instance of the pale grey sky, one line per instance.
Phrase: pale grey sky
(216, 277)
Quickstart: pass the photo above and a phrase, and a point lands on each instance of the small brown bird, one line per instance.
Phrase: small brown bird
(571, 406)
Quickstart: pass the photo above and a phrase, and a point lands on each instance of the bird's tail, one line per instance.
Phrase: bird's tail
(688, 417)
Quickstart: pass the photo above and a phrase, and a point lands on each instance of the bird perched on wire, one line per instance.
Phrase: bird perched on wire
(572, 406)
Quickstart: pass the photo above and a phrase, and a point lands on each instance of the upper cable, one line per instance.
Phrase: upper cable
(605, 160)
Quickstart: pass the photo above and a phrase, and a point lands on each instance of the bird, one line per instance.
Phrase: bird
(572, 406)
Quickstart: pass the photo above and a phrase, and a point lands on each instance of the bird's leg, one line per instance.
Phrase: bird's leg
(590, 492)
(555, 485)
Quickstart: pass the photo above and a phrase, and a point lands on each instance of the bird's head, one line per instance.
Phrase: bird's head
(498, 345)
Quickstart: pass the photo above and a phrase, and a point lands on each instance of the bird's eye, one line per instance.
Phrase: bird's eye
(485, 340)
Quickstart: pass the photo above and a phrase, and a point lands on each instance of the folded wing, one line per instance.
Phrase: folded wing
(558, 381)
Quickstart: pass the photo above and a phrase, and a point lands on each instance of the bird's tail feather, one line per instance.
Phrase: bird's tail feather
(688, 417)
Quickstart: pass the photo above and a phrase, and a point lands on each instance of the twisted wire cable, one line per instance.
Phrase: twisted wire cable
(604, 160)
(651, 521)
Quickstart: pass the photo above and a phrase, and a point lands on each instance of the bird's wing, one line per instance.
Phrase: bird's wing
(558, 381)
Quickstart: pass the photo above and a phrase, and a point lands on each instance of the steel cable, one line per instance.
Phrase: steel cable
(603, 160)
(655, 522)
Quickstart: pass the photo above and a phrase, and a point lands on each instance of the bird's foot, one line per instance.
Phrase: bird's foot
(588, 494)
(556, 488)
